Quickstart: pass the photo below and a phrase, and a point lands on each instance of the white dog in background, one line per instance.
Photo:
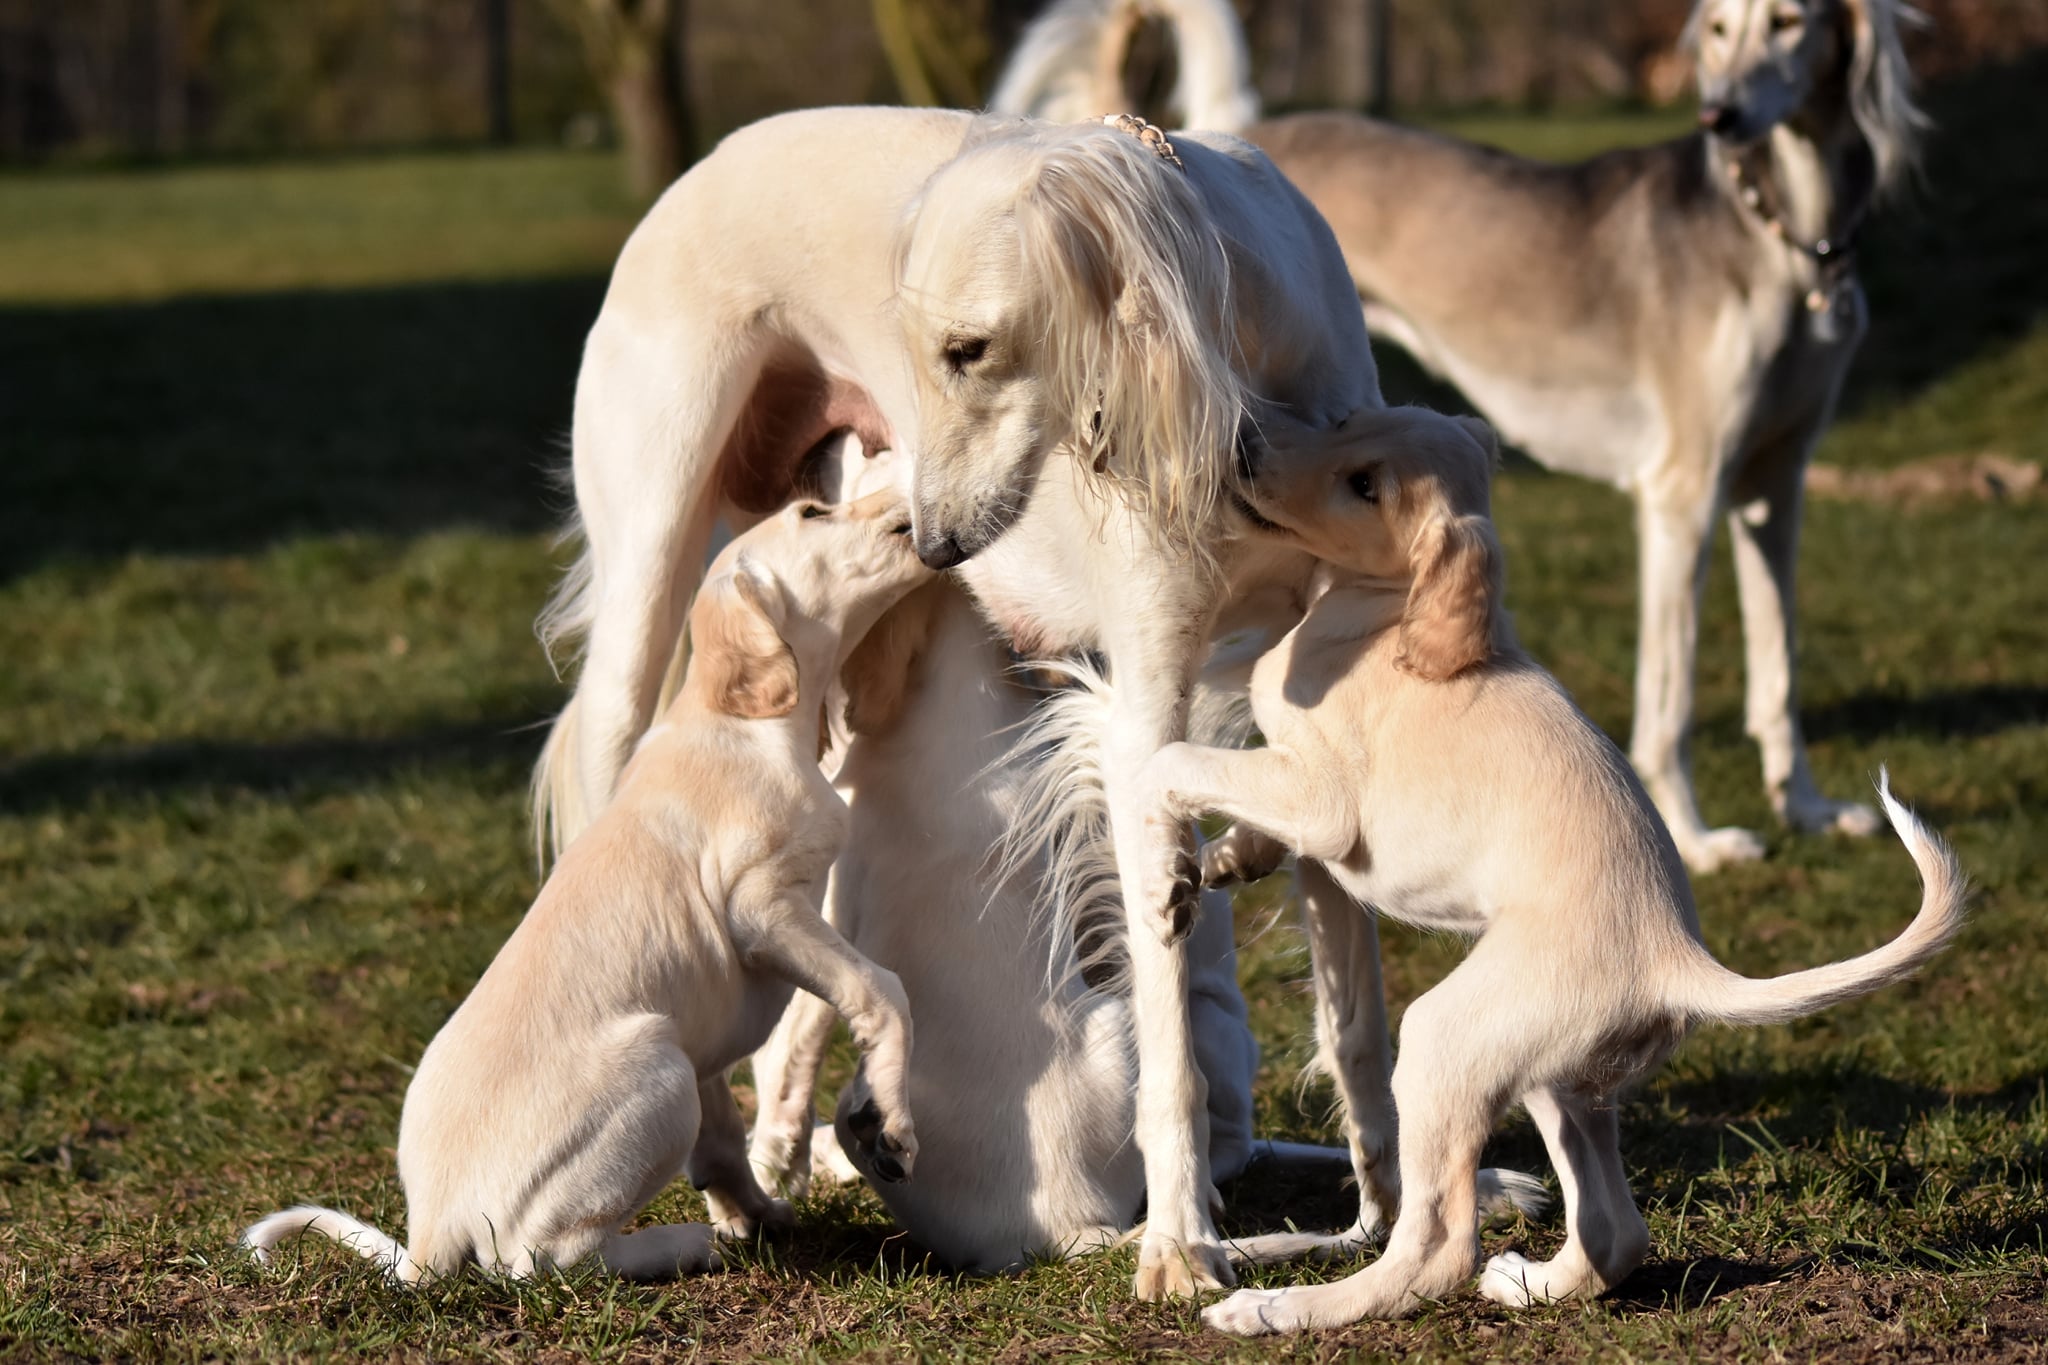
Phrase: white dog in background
(1064, 329)
(1436, 773)
(588, 1067)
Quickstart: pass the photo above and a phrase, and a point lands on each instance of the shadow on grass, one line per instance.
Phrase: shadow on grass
(70, 781)
(214, 425)
(1964, 713)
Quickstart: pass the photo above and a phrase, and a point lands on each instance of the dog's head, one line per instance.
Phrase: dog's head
(1399, 494)
(1761, 61)
(788, 600)
(1062, 283)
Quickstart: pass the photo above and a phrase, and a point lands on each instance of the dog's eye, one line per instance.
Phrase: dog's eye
(811, 511)
(1719, 28)
(1366, 484)
(1786, 19)
(964, 351)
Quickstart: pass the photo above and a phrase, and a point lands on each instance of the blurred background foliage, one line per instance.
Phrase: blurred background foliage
(138, 79)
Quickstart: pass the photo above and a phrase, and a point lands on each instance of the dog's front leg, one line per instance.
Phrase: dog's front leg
(1152, 656)
(779, 930)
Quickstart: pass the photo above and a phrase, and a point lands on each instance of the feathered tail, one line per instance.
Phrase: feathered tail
(1715, 993)
(1069, 64)
(263, 1237)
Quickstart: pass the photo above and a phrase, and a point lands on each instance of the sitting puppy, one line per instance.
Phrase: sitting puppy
(588, 1067)
(1435, 773)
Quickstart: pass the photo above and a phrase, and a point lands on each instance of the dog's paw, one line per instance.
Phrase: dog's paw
(1180, 1270)
(1512, 1280)
(1240, 854)
(775, 1215)
(1818, 815)
(1252, 1313)
(886, 1154)
(1713, 849)
(1176, 918)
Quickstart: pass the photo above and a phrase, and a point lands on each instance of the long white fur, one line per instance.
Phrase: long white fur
(807, 234)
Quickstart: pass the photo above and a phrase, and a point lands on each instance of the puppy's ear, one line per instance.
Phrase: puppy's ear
(1448, 626)
(877, 674)
(749, 670)
(1483, 433)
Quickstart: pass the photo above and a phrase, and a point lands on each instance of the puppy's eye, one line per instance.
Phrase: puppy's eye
(1719, 28)
(1785, 20)
(1366, 484)
(964, 351)
(811, 511)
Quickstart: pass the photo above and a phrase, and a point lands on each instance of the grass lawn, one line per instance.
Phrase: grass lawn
(275, 454)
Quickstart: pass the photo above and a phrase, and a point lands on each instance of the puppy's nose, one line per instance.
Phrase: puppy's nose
(1720, 118)
(940, 552)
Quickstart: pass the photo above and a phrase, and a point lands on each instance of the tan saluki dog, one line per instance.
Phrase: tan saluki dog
(588, 1068)
(1422, 764)
(1675, 320)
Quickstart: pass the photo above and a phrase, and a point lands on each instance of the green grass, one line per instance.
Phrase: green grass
(273, 513)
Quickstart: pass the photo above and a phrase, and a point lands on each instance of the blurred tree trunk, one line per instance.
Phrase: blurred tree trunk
(497, 19)
(635, 50)
(938, 50)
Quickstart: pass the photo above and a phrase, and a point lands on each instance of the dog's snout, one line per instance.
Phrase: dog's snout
(940, 551)
(1721, 118)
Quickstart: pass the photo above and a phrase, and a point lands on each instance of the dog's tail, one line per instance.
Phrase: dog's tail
(1069, 64)
(1717, 994)
(264, 1236)
(559, 811)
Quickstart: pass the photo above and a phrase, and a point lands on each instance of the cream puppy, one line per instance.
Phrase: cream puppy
(1434, 772)
(588, 1067)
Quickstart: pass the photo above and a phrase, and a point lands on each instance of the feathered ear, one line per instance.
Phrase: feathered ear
(1881, 88)
(1448, 626)
(748, 669)
(1137, 282)
(877, 674)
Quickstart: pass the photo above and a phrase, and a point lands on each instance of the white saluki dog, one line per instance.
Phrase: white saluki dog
(1433, 771)
(588, 1067)
(1063, 327)
(1675, 320)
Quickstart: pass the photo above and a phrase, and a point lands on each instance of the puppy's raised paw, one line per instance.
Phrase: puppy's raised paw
(887, 1156)
(1240, 854)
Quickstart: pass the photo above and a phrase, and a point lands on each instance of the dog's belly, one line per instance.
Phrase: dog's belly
(1424, 897)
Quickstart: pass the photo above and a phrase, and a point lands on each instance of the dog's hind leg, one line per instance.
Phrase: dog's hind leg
(1764, 528)
(1453, 1078)
(1606, 1237)
(786, 1071)
(718, 1166)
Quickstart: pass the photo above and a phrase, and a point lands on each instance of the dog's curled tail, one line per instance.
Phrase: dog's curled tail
(1068, 66)
(264, 1236)
(1722, 996)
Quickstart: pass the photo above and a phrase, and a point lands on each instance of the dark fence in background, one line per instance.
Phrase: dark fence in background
(120, 78)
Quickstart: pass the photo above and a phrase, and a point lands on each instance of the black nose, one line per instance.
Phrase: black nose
(940, 552)
(1720, 119)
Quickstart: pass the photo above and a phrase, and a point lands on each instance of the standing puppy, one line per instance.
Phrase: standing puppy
(1436, 773)
(588, 1067)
